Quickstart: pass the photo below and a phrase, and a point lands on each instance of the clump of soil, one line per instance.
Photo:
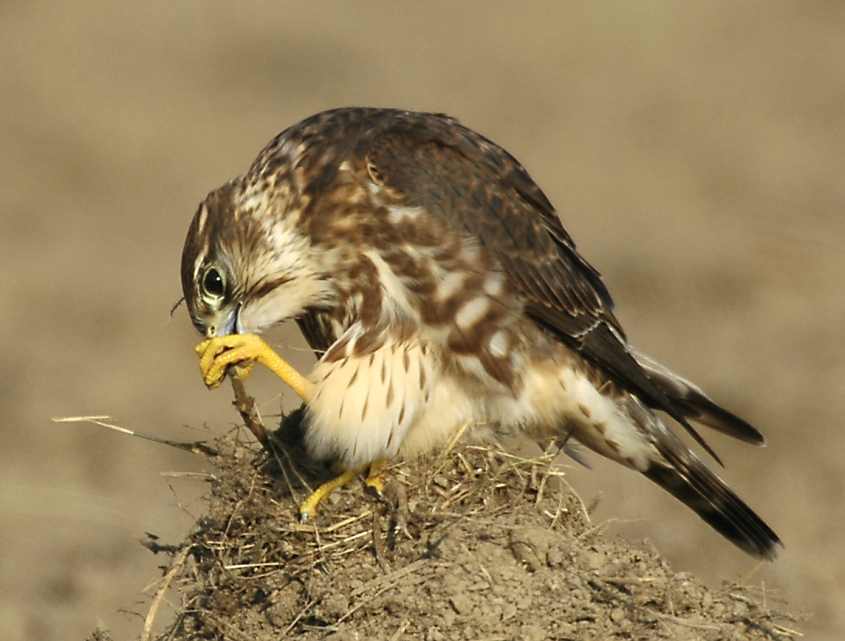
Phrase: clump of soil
(475, 543)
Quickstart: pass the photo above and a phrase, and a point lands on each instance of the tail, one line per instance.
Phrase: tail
(695, 404)
(681, 473)
(718, 506)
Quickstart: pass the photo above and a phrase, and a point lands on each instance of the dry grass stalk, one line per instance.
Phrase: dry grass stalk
(173, 570)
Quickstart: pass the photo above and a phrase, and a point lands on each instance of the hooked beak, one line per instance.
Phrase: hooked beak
(229, 325)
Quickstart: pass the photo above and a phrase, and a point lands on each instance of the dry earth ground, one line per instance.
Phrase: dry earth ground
(473, 543)
(695, 152)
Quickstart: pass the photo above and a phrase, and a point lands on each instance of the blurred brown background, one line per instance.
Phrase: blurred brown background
(695, 153)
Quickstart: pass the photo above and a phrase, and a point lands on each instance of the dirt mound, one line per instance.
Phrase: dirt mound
(473, 544)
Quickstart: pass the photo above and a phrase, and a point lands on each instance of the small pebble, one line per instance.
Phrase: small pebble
(532, 633)
(508, 611)
(335, 605)
(461, 603)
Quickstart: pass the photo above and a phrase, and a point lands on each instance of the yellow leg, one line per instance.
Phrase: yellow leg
(218, 353)
(241, 351)
(375, 478)
(309, 506)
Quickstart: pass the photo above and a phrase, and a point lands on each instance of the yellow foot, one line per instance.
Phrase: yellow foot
(218, 353)
(374, 483)
(308, 507)
(375, 478)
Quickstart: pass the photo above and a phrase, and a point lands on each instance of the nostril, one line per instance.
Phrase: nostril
(210, 331)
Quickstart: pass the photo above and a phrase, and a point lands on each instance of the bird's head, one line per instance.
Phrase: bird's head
(245, 265)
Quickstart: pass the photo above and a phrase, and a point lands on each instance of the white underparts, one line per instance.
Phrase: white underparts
(563, 396)
(398, 402)
(391, 402)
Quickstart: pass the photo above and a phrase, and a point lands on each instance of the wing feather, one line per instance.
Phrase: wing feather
(480, 189)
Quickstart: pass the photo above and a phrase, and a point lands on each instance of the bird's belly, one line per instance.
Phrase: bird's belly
(392, 401)
(451, 407)
(398, 401)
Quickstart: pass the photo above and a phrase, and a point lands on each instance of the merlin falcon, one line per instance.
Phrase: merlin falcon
(439, 289)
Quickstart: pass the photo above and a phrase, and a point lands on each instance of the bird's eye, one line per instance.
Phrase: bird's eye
(213, 284)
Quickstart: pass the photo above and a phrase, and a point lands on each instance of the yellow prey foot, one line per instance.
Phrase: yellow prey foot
(375, 479)
(309, 506)
(218, 353)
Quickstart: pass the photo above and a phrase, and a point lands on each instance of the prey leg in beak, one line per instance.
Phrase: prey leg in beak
(241, 351)
(218, 353)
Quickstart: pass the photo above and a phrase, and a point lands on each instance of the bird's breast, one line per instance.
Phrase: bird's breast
(394, 400)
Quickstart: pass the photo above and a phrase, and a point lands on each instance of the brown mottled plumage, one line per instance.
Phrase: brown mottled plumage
(438, 287)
